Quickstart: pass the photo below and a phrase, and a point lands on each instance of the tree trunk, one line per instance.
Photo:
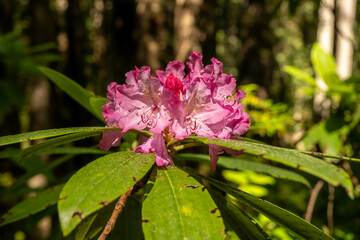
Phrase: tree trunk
(42, 30)
(151, 32)
(325, 37)
(345, 37)
(186, 31)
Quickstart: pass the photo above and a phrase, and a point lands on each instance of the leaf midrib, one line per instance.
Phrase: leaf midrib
(177, 204)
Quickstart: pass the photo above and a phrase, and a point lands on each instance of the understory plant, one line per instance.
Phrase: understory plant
(149, 187)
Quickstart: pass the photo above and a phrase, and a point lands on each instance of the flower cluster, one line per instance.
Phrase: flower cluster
(203, 102)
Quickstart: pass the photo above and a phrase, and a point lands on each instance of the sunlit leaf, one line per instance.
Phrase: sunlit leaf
(299, 74)
(240, 163)
(179, 207)
(96, 103)
(244, 226)
(99, 183)
(35, 149)
(22, 137)
(72, 88)
(315, 166)
(288, 220)
(32, 205)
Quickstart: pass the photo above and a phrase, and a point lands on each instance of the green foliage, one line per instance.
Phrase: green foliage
(75, 91)
(187, 212)
(267, 118)
(176, 202)
(248, 162)
(288, 220)
(32, 205)
(289, 157)
(98, 184)
(237, 219)
(18, 62)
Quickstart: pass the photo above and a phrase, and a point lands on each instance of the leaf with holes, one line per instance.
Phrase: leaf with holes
(54, 142)
(240, 163)
(22, 137)
(99, 183)
(179, 207)
(277, 214)
(314, 166)
(243, 225)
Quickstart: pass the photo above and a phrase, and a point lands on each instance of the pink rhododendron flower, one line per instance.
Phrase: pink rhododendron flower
(203, 102)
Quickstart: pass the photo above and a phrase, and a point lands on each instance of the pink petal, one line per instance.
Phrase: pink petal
(156, 144)
(214, 151)
(111, 138)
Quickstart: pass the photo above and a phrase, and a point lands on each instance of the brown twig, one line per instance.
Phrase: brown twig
(330, 209)
(117, 210)
(354, 180)
(313, 196)
(121, 204)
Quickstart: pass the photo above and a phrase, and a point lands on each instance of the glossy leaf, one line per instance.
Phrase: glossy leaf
(243, 225)
(277, 214)
(179, 207)
(73, 150)
(32, 205)
(72, 88)
(240, 163)
(35, 149)
(96, 104)
(22, 137)
(315, 166)
(99, 183)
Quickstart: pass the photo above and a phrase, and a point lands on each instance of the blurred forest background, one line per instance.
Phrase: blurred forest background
(96, 42)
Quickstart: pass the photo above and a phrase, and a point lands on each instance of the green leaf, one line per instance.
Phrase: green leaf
(279, 215)
(31, 205)
(128, 224)
(243, 225)
(299, 74)
(35, 149)
(73, 89)
(46, 167)
(99, 183)
(323, 62)
(179, 207)
(22, 137)
(315, 166)
(96, 104)
(84, 227)
(240, 163)
(325, 67)
(73, 150)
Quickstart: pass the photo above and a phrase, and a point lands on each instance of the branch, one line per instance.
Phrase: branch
(117, 210)
(318, 154)
(330, 209)
(353, 178)
(121, 204)
(313, 196)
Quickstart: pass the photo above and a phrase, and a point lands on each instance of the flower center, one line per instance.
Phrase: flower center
(173, 83)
